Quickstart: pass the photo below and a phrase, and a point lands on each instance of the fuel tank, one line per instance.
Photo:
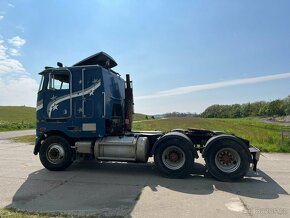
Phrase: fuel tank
(122, 148)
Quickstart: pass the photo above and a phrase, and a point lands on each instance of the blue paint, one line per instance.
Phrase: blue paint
(67, 108)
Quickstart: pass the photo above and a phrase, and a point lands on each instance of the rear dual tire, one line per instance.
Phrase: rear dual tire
(227, 160)
(173, 159)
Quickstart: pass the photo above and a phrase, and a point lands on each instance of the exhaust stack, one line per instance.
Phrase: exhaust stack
(129, 104)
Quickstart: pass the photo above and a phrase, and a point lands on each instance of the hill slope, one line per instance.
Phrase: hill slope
(17, 117)
(139, 117)
(265, 136)
(21, 117)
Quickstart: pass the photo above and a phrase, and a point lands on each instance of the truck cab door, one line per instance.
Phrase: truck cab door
(85, 103)
(58, 96)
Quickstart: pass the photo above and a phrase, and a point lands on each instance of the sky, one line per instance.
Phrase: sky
(182, 55)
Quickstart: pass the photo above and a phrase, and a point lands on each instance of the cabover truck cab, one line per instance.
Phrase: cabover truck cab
(86, 111)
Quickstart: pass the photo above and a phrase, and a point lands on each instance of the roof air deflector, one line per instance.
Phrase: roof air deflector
(100, 58)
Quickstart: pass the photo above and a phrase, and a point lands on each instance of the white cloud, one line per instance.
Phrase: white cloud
(18, 91)
(11, 5)
(2, 50)
(216, 85)
(14, 52)
(16, 87)
(17, 41)
(9, 65)
(1, 17)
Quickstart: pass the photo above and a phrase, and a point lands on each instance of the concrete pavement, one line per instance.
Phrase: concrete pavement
(137, 190)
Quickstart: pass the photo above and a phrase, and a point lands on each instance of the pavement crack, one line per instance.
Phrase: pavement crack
(248, 211)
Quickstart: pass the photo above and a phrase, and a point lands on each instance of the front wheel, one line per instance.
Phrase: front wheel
(55, 153)
(173, 159)
(227, 160)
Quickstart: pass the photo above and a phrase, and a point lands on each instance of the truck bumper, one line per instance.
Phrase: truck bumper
(255, 152)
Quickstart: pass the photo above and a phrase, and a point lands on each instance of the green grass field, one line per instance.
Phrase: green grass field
(139, 117)
(16, 118)
(21, 117)
(265, 136)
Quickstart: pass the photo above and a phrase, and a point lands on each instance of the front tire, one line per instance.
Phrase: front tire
(227, 160)
(173, 159)
(55, 153)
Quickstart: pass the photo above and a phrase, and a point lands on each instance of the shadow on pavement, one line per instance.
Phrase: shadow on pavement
(110, 189)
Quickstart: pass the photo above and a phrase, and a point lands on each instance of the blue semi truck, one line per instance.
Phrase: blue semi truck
(86, 111)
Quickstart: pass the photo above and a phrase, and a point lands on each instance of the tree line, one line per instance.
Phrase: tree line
(279, 107)
(180, 114)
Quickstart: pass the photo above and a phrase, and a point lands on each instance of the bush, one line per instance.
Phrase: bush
(5, 126)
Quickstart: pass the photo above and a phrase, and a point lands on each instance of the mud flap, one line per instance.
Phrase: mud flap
(255, 152)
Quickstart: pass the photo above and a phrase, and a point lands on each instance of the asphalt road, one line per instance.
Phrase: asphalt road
(12, 134)
(137, 190)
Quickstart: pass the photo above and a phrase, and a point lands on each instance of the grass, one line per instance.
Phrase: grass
(140, 117)
(22, 117)
(26, 139)
(17, 118)
(9, 213)
(265, 136)
(12, 213)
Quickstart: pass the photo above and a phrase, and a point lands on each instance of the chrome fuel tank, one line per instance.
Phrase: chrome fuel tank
(125, 148)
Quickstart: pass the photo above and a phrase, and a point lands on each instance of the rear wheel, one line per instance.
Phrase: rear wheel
(173, 159)
(227, 160)
(55, 153)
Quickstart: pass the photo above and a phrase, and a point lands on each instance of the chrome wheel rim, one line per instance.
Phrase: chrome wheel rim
(173, 157)
(55, 153)
(227, 160)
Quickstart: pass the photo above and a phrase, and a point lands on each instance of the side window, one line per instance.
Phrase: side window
(59, 81)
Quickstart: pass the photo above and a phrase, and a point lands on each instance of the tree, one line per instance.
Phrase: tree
(246, 110)
(236, 111)
(211, 111)
(276, 108)
(264, 110)
(260, 108)
(287, 105)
